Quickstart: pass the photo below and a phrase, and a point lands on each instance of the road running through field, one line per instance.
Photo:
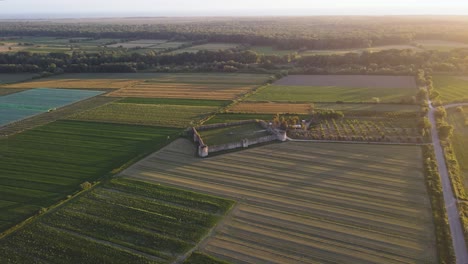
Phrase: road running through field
(458, 239)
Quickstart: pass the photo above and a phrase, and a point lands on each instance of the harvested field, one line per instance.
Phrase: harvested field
(184, 90)
(191, 86)
(122, 221)
(41, 166)
(451, 88)
(10, 47)
(351, 81)
(309, 202)
(5, 91)
(147, 114)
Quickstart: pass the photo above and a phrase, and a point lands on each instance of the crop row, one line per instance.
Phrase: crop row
(153, 226)
(43, 165)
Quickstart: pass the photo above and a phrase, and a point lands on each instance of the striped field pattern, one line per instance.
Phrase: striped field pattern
(309, 202)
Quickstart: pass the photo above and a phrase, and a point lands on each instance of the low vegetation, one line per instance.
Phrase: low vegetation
(404, 127)
(232, 134)
(121, 221)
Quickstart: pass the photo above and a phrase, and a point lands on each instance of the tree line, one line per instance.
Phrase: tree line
(284, 33)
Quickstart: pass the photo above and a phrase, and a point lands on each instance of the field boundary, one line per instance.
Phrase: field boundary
(226, 218)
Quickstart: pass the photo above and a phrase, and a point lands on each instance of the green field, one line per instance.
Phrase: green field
(231, 134)
(43, 165)
(268, 50)
(451, 88)
(200, 258)
(64, 45)
(368, 107)
(169, 101)
(460, 139)
(147, 114)
(344, 51)
(122, 221)
(320, 202)
(232, 117)
(207, 47)
(331, 94)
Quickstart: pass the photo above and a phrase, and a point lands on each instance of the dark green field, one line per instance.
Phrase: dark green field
(200, 258)
(41, 166)
(121, 221)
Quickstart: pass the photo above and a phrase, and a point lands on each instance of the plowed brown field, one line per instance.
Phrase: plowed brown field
(309, 202)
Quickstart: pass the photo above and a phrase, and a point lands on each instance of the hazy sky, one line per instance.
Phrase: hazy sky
(236, 7)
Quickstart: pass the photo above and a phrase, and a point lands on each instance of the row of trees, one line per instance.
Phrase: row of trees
(397, 62)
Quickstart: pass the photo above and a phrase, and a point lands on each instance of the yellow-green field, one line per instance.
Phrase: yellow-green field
(451, 88)
(213, 86)
(309, 202)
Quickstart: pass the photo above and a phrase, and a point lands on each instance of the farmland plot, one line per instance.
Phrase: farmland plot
(143, 43)
(24, 104)
(147, 114)
(309, 203)
(43, 165)
(333, 88)
(451, 88)
(460, 139)
(190, 86)
(207, 47)
(122, 221)
(298, 108)
(12, 78)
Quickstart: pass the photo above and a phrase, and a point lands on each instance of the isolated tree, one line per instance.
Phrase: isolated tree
(85, 185)
(440, 112)
(445, 131)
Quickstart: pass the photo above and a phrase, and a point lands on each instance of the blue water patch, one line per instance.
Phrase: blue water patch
(17, 106)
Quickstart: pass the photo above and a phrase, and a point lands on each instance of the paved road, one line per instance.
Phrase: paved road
(456, 230)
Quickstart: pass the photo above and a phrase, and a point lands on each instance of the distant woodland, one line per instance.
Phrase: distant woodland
(298, 34)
